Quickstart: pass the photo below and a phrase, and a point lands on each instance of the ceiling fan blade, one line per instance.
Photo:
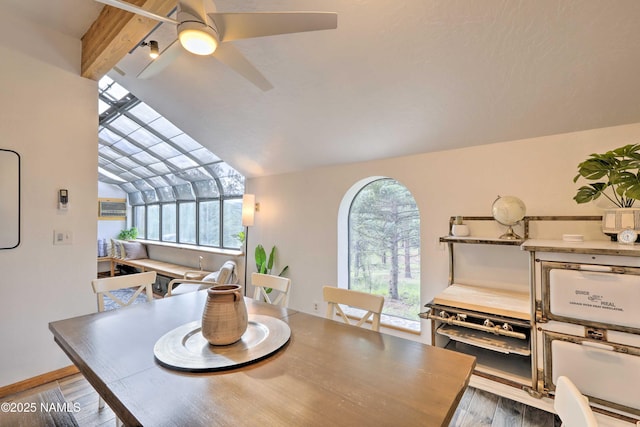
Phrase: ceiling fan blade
(234, 26)
(137, 10)
(161, 62)
(230, 56)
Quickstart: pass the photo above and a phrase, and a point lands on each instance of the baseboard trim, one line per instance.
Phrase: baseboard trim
(38, 381)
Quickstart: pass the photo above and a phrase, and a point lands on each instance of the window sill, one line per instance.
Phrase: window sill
(386, 321)
(230, 252)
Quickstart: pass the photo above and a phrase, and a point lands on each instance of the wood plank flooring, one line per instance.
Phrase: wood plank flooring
(477, 408)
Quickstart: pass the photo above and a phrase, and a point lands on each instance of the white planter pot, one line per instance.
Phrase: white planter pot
(616, 220)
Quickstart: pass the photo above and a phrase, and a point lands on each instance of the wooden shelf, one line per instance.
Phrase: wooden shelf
(481, 240)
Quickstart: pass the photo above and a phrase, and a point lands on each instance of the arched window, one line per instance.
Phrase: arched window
(384, 249)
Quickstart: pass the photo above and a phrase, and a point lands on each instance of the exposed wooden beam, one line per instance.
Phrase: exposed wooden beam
(115, 33)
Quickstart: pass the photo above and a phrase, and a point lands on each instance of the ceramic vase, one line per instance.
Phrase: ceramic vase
(224, 319)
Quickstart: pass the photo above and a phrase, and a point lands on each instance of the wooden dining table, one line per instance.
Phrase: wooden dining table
(328, 373)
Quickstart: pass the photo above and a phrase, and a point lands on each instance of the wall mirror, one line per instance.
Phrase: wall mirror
(9, 199)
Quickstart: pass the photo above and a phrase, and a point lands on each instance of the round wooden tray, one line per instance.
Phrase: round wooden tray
(185, 349)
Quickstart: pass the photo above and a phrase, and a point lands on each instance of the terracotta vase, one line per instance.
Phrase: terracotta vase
(224, 319)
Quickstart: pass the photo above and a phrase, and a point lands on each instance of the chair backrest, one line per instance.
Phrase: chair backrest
(572, 406)
(140, 281)
(264, 282)
(371, 303)
(227, 274)
(193, 280)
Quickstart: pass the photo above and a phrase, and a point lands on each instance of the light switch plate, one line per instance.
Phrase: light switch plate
(62, 237)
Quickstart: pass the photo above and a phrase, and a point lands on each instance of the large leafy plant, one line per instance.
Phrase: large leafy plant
(264, 265)
(617, 170)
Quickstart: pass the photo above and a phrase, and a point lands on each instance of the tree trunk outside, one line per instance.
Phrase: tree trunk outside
(394, 241)
(407, 258)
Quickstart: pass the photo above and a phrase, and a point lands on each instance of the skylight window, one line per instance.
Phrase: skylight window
(156, 163)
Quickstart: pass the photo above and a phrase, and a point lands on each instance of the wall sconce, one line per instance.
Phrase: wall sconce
(249, 208)
(154, 50)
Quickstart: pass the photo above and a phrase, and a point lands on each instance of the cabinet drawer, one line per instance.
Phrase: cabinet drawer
(594, 295)
(607, 373)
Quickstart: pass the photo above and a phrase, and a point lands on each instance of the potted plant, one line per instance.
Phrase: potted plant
(616, 176)
(264, 265)
(130, 234)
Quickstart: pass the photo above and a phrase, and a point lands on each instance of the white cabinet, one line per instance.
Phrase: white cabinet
(587, 319)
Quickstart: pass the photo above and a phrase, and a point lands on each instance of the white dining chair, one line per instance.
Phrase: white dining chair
(264, 282)
(373, 304)
(140, 282)
(572, 406)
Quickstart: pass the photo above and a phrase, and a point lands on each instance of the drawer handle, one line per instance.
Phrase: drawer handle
(598, 345)
(602, 268)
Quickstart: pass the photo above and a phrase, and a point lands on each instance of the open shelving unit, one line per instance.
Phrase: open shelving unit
(494, 325)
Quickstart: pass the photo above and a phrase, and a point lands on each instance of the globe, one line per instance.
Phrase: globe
(508, 210)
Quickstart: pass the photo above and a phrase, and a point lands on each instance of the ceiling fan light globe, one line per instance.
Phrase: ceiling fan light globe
(197, 41)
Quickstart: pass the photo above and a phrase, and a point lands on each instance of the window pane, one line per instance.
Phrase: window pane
(116, 91)
(124, 125)
(108, 137)
(164, 150)
(233, 185)
(187, 222)
(209, 222)
(384, 247)
(232, 225)
(206, 189)
(153, 222)
(165, 194)
(144, 113)
(149, 196)
(184, 192)
(165, 127)
(135, 198)
(126, 163)
(143, 137)
(138, 220)
(185, 142)
(142, 172)
(169, 223)
(182, 162)
(204, 156)
(126, 147)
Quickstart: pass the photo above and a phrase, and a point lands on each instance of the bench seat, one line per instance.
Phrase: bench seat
(168, 269)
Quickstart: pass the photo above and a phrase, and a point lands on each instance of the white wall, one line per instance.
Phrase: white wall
(298, 211)
(49, 116)
(108, 229)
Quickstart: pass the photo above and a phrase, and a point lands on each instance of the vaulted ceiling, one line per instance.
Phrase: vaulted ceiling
(395, 78)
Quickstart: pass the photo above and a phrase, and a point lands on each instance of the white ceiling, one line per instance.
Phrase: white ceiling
(397, 78)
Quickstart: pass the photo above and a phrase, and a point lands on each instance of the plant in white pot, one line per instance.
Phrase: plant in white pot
(616, 176)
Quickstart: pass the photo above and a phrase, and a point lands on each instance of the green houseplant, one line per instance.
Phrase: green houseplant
(616, 174)
(130, 234)
(264, 265)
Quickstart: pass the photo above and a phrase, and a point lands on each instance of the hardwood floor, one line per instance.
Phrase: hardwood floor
(477, 408)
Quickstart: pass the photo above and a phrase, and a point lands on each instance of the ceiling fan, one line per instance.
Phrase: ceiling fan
(203, 33)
